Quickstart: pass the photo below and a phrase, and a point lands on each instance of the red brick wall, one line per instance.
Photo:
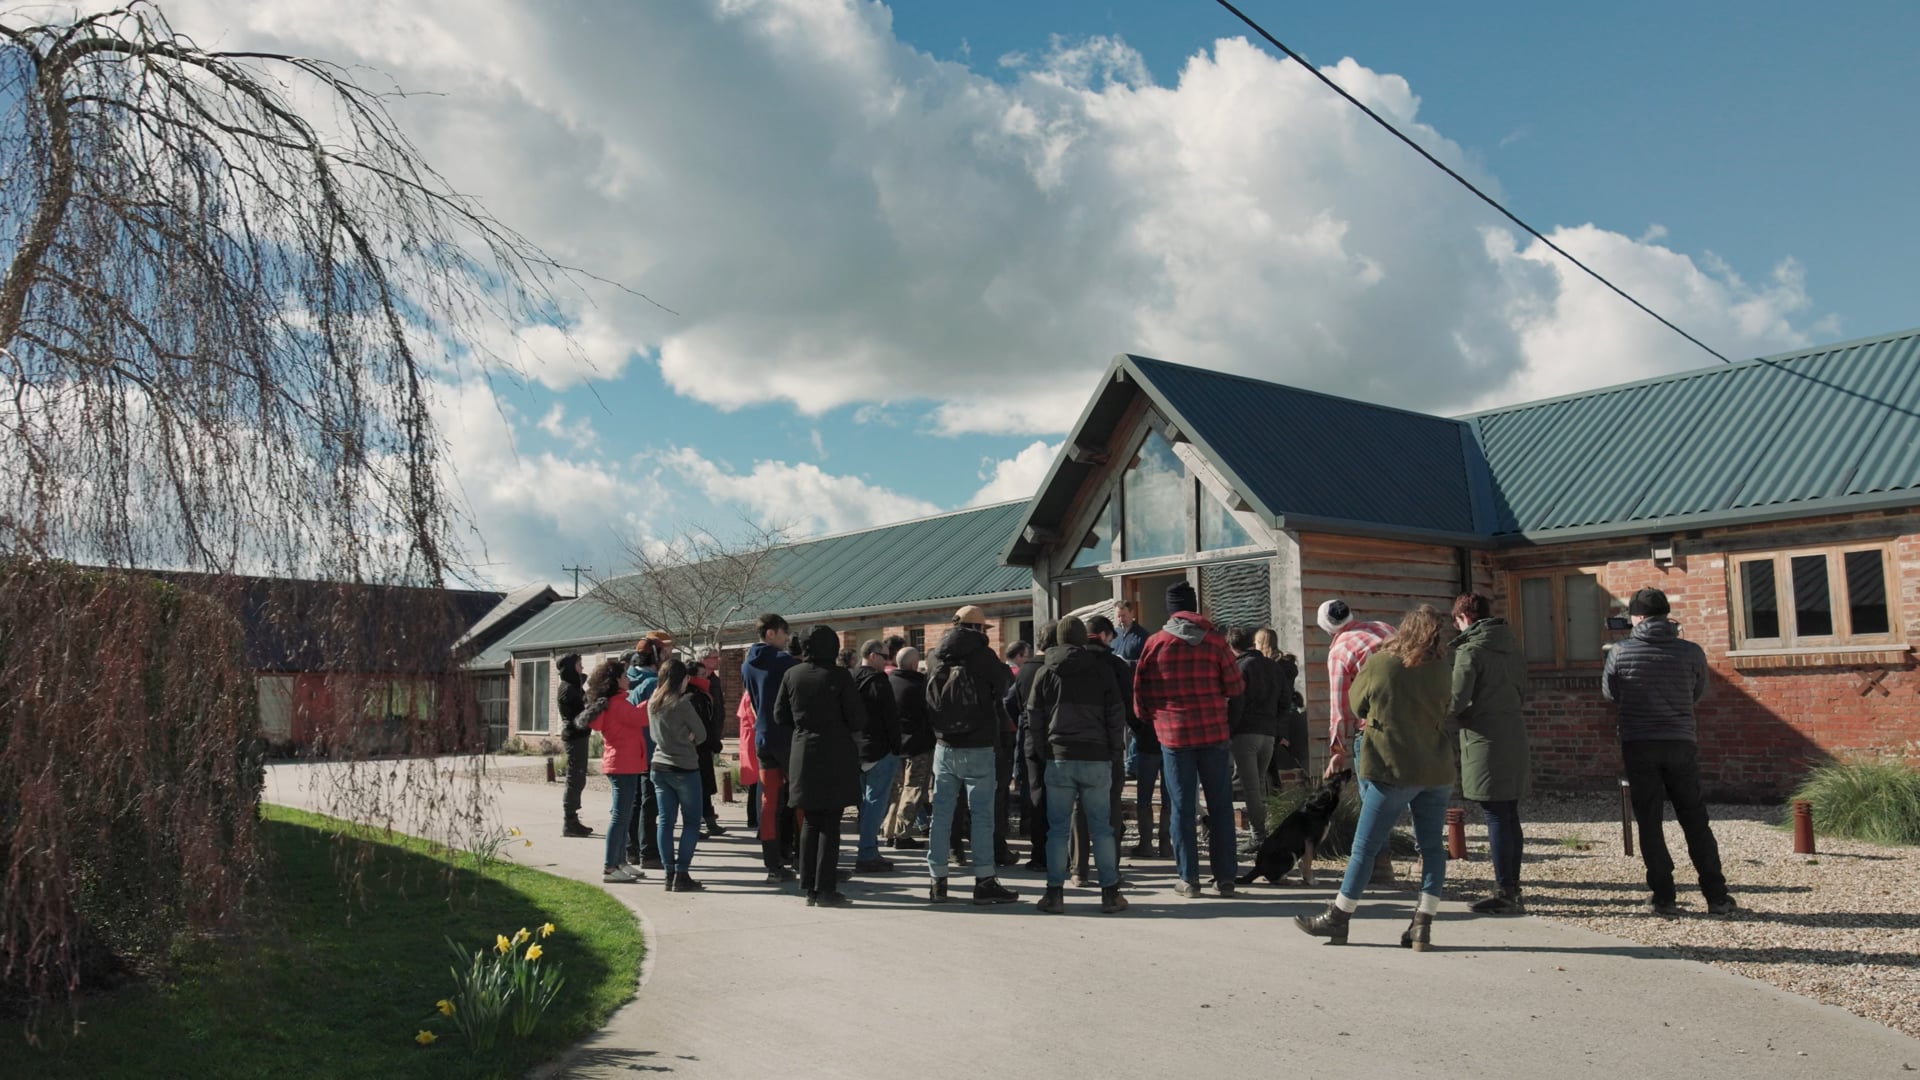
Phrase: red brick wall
(1760, 728)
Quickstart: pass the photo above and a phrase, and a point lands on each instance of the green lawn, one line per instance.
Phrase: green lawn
(319, 986)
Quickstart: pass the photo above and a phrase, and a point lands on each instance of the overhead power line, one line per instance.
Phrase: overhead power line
(1464, 182)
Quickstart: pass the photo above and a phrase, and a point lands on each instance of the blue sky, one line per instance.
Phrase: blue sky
(901, 243)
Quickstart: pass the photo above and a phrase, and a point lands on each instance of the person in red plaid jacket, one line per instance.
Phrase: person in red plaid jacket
(1181, 685)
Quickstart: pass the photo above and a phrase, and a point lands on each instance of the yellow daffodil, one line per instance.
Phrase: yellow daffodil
(445, 1007)
(501, 944)
(521, 935)
(513, 832)
(425, 1038)
(527, 843)
(546, 930)
(533, 952)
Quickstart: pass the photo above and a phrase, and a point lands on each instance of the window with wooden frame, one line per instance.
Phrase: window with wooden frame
(1562, 618)
(1813, 598)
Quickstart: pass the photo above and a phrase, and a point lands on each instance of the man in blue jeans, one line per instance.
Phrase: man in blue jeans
(965, 686)
(1181, 686)
(1079, 728)
(877, 743)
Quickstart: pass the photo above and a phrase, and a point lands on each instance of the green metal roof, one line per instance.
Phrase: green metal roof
(1822, 430)
(924, 562)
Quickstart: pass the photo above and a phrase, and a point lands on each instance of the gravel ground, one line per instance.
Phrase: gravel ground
(1842, 926)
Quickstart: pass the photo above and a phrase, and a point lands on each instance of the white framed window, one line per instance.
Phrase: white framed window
(535, 694)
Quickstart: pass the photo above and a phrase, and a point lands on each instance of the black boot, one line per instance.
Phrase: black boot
(777, 872)
(1330, 924)
(937, 892)
(1111, 902)
(685, 883)
(575, 828)
(1053, 901)
(990, 891)
(1419, 933)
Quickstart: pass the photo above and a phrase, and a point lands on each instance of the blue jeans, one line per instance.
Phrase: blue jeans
(1092, 783)
(955, 768)
(1146, 774)
(1380, 807)
(1504, 841)
(876, 794)
(1188, 771)
(626, 798)
(679, 793)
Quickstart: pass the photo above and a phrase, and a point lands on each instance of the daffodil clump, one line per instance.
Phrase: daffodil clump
(507, 984)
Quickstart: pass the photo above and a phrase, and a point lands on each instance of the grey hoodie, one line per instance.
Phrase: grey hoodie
(1186, 630)
(676, 734)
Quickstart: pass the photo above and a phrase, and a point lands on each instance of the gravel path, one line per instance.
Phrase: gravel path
(1842, 926)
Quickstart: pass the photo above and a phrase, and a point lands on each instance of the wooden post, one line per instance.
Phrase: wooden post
(726, 783)
(1626, 817)
(550, 776)
(1802, 827)
(1456, 833)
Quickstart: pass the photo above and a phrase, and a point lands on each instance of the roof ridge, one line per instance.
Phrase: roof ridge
(1736, 366)
(904, 522)
(1137, 358)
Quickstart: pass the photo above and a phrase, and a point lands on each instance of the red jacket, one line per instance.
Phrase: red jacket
(749, 759)
(1181, 685)
(625, 728)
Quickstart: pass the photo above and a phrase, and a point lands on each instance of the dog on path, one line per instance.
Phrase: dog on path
(1297, 836)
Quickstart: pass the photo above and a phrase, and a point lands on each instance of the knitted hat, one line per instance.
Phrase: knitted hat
(1334, 616)
(1649, 602)
(1181, 597)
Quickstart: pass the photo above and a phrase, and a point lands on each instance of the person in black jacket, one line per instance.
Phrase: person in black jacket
(572, 698)
(1079, 733)
(1100, 634)
(1656, 677)
(818, 704)
(1032, 767)
(964, 704)
(703, 689)
(1145, 755)
(1254, 720)
(879, 744)
(916, 749)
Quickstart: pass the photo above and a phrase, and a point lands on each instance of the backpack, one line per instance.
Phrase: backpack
(955, 700)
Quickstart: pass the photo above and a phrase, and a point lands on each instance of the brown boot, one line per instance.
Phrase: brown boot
(1419, 933)
(1330, 924)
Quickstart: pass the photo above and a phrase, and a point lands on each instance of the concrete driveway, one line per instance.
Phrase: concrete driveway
(746, 981)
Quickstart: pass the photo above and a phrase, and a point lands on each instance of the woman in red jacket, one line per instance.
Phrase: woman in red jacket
(622, 761)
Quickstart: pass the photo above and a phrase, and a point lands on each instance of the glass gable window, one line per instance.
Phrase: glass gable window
(1154, 492)
(1813, 599)
(1219, 529)
(1097, 548)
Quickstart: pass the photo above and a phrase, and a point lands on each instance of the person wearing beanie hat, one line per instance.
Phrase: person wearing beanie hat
(571, 699)
(1353, 643)
(1181, 686)
(1656, 677)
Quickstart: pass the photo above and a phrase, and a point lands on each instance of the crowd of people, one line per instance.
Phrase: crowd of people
(956, 745)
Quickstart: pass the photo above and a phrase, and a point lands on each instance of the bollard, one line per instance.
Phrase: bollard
(1626, 818)
(726, 785)
(1802, 827)
(1456, 833)
(550, 776)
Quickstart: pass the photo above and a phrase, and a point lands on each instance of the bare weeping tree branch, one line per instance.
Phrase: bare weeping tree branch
(699, 584)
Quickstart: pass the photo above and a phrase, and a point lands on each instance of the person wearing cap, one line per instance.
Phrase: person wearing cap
(879, 745)
(964, 693)
(766, 665)
(1181, 686)
(916, 748)
(1656, 677)
(1353, 643)
(571, 699)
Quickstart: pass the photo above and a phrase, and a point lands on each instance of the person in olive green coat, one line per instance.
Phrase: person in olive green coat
(1406, 764)
(1489, 688)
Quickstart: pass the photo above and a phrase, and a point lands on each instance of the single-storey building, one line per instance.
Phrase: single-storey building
(1777, 501)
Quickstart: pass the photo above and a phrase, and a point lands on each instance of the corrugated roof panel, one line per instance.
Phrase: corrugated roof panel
(1824, 424)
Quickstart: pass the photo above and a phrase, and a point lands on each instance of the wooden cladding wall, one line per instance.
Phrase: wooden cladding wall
(1380, 580)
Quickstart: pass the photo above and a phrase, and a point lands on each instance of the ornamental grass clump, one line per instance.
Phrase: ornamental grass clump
(1873, 798)
(507, 983)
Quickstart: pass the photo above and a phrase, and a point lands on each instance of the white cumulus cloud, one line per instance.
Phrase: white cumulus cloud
(1017, 477)
(801, 497)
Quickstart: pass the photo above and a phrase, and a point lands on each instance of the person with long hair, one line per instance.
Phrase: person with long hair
(678, 730)
(820, 709)
(1406, 765)
(623, 758)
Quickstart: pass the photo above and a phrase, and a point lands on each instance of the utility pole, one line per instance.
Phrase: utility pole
(576, 571)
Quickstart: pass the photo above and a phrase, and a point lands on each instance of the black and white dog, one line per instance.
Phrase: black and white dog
(1297, 836)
